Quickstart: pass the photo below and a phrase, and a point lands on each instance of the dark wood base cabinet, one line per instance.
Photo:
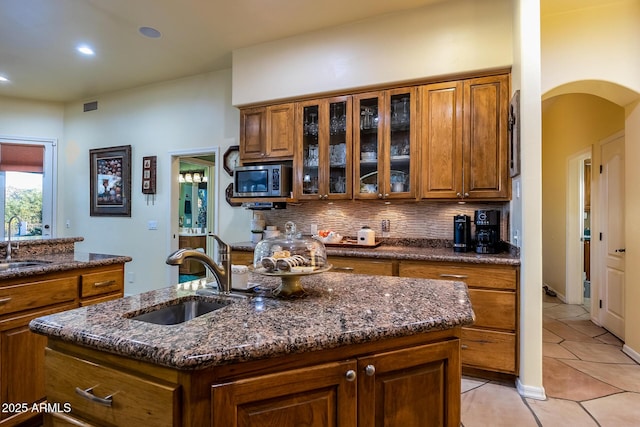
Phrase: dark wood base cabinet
(22, 358)
(399, 382)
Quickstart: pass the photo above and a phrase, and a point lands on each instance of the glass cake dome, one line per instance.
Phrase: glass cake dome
(290, 257)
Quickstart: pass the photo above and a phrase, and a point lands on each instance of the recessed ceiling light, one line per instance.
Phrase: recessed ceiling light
(150, 32)
(85, 50)
(3, 79)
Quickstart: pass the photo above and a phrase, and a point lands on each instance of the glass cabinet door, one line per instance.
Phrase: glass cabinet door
(402, 146)
(323, 165)
(339, 149)
(368, 145)
(310, 150)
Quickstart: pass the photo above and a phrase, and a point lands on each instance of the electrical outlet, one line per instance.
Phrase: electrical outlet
(314, 229)
(131, 277)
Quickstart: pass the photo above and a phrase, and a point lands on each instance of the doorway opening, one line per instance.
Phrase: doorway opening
(194, 209)
(578, 273)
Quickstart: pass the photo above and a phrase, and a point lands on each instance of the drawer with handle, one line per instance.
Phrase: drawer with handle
(480, 275)
(361, 265)
(27, 296)
(106, 396)
(101, 282)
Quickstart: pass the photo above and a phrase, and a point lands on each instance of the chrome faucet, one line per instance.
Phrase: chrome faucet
(222, 275)
(9, 248)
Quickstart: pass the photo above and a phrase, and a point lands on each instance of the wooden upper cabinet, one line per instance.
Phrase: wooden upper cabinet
(441, 133)
(464, 139)
(267, 132)
(486, 165)
(253, 133)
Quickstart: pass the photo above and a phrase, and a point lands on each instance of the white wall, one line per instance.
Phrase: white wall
(20, 117)
(526, 77)
(446, 38)
(609, 63)
(596, 43)
(183, 114)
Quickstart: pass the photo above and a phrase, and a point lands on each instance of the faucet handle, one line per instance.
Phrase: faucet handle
(224, 248)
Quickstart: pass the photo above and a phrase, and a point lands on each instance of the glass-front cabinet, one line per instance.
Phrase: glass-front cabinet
(385, 151)
(323, 159)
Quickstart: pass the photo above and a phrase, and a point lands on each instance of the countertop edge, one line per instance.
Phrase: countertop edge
(55, 265)
(407, 253)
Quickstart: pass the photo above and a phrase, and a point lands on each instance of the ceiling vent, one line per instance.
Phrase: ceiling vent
(90, 106)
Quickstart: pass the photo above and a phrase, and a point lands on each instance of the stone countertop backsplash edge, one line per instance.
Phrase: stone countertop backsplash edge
(337, 310)
(416, 250)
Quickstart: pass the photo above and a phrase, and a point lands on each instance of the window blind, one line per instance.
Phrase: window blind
(21, 158)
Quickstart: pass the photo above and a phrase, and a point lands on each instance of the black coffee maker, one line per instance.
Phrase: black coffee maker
(487, 231)
(461, 233)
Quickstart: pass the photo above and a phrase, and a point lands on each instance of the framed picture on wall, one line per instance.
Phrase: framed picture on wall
(110, 181)
(149, 175)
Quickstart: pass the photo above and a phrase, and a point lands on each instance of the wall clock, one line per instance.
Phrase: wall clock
(231, 159)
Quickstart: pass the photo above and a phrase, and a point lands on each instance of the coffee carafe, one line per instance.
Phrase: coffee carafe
(461, 233)
(487, 231)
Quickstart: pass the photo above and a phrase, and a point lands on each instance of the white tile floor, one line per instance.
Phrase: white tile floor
(588, 380)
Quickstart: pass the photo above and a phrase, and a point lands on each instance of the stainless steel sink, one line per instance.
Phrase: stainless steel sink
(181, 312)
(14, 265)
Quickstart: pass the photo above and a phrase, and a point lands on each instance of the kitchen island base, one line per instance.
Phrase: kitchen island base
(410, 380)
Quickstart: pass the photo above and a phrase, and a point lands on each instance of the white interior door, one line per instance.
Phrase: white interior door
(612, 239)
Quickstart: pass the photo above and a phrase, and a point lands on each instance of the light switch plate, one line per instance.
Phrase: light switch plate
(152, 225)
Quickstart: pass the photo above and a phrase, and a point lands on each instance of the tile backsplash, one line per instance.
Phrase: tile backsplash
(423, 220)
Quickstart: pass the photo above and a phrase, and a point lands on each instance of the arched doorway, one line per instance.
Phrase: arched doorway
(576, 117)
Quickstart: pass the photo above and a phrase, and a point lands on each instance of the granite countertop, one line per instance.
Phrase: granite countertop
(339, 309)
(436, 252)
(60, 262)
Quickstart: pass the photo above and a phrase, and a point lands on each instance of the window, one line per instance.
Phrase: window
(27, 186)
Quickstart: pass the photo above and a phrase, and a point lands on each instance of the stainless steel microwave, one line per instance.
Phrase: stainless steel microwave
(262, 181)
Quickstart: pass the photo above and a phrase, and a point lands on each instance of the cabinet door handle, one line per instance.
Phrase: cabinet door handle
(5, 300)
(370, 370)
(464, 346)
(454, 276)
(88, 394)
(343, 268)
(351, 375)
(105, 283)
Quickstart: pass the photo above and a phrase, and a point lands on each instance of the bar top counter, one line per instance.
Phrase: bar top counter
(52, 255)
(337, 310)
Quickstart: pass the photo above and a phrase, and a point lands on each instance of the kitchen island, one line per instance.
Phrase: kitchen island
(490, 347)
(354, 349)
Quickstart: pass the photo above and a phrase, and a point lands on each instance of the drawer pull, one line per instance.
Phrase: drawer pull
(5, 300)
(343, 268)
(455, 276)
(464, 346)
(88, 394)
(105, 283)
